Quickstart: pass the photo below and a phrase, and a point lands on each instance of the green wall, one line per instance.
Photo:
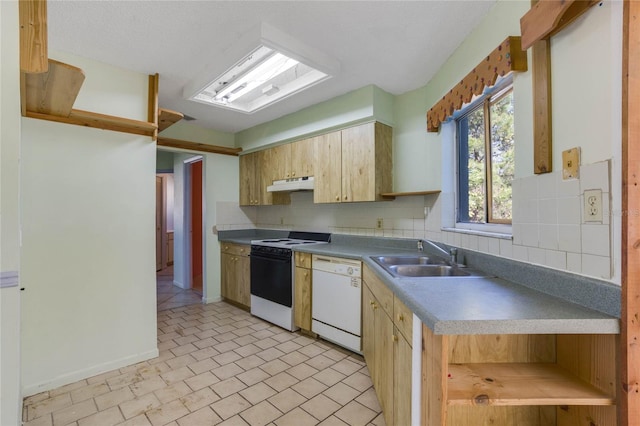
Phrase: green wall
(365, 104)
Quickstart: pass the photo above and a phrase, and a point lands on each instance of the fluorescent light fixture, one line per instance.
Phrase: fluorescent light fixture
(269, 73)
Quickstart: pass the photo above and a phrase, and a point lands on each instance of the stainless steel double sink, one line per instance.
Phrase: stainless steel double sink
(422, 266)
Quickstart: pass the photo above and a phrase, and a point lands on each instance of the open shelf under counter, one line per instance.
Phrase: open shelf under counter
(511, 384)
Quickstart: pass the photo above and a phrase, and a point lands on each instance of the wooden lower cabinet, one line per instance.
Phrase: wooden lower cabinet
(402, 352)
(529, 380)
(386, 350)
(302, 291)
(235, 273)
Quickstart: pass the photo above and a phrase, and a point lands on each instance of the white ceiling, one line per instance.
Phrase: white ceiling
(396, 45)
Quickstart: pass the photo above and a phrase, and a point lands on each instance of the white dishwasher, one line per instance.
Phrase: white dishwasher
(336, 302)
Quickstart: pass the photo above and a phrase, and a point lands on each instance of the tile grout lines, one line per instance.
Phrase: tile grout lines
(218, 365)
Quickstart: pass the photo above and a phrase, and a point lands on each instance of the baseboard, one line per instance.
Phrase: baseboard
(212, 300)
(72, 377)
(179, 284)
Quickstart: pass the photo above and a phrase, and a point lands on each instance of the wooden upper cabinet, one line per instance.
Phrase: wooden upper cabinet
(302, 158)
(271, 168)
(350, 165)
(328, 168)
(293, 159)
(354, 164)
(279, 158)
(366, 162)
(250, 179)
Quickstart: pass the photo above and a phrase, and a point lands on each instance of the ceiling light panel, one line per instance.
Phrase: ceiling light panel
(268, 73)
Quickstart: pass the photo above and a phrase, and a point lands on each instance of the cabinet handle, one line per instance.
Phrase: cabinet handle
(345, 197)
(394, 338)
(400, 317)
(337, 198)
(287, 175)
(293, 174)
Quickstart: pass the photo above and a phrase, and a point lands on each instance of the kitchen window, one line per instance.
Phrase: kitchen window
(485, 142)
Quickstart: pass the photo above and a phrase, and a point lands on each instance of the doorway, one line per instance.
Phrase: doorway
(194, 226)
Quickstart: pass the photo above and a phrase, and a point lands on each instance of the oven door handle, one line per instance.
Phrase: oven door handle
(271, 258)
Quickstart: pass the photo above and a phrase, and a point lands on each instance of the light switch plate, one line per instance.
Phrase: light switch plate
(571, 163)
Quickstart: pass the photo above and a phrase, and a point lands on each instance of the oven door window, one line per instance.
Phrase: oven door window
(271, 279)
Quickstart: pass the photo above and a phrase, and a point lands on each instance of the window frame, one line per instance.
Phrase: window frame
(491, 96)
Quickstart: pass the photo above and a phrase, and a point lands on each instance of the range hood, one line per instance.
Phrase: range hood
(293, 184)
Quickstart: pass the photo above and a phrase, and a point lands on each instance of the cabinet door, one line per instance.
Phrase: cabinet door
(302, 302)
(302, 156)
(243, 280)
(383, 347)
(328, 168)
(270, 170)
(280, 162)
(368, 330)
(358, 163)
(401, 381)
(227, 275)
(249, 178)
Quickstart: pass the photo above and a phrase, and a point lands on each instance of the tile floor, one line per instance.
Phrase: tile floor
(218, 365)
(170, 296)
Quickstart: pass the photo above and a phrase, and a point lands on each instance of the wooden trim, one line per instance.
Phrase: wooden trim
(33, 36)
(629, 396)
(505, 58)
(488, 167)
(392, 195)
(195, 146)
(152, 113)
(541, 74)
(167, 118)
(548, 17)
(99, 121)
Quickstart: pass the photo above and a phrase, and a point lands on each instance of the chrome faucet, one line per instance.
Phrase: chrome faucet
(451, 255)
(439, 249)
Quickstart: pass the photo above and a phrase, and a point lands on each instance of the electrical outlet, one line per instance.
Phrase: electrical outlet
(593, 205)
(379, 223)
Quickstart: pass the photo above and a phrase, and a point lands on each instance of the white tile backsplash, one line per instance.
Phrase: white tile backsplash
(547, 226)
(595, 240)
(574, 262)
(548, 237)
(548, 210)
(569, 238)
(595, 176)
(537, 256)
(596, 266)
(556, 259)
(569, 210)
(548, 221)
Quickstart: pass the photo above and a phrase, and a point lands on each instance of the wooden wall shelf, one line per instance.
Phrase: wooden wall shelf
(519, 384)
(393, 195)
(99, 121)
(54, 91)
(195, 146)
(168, 118)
